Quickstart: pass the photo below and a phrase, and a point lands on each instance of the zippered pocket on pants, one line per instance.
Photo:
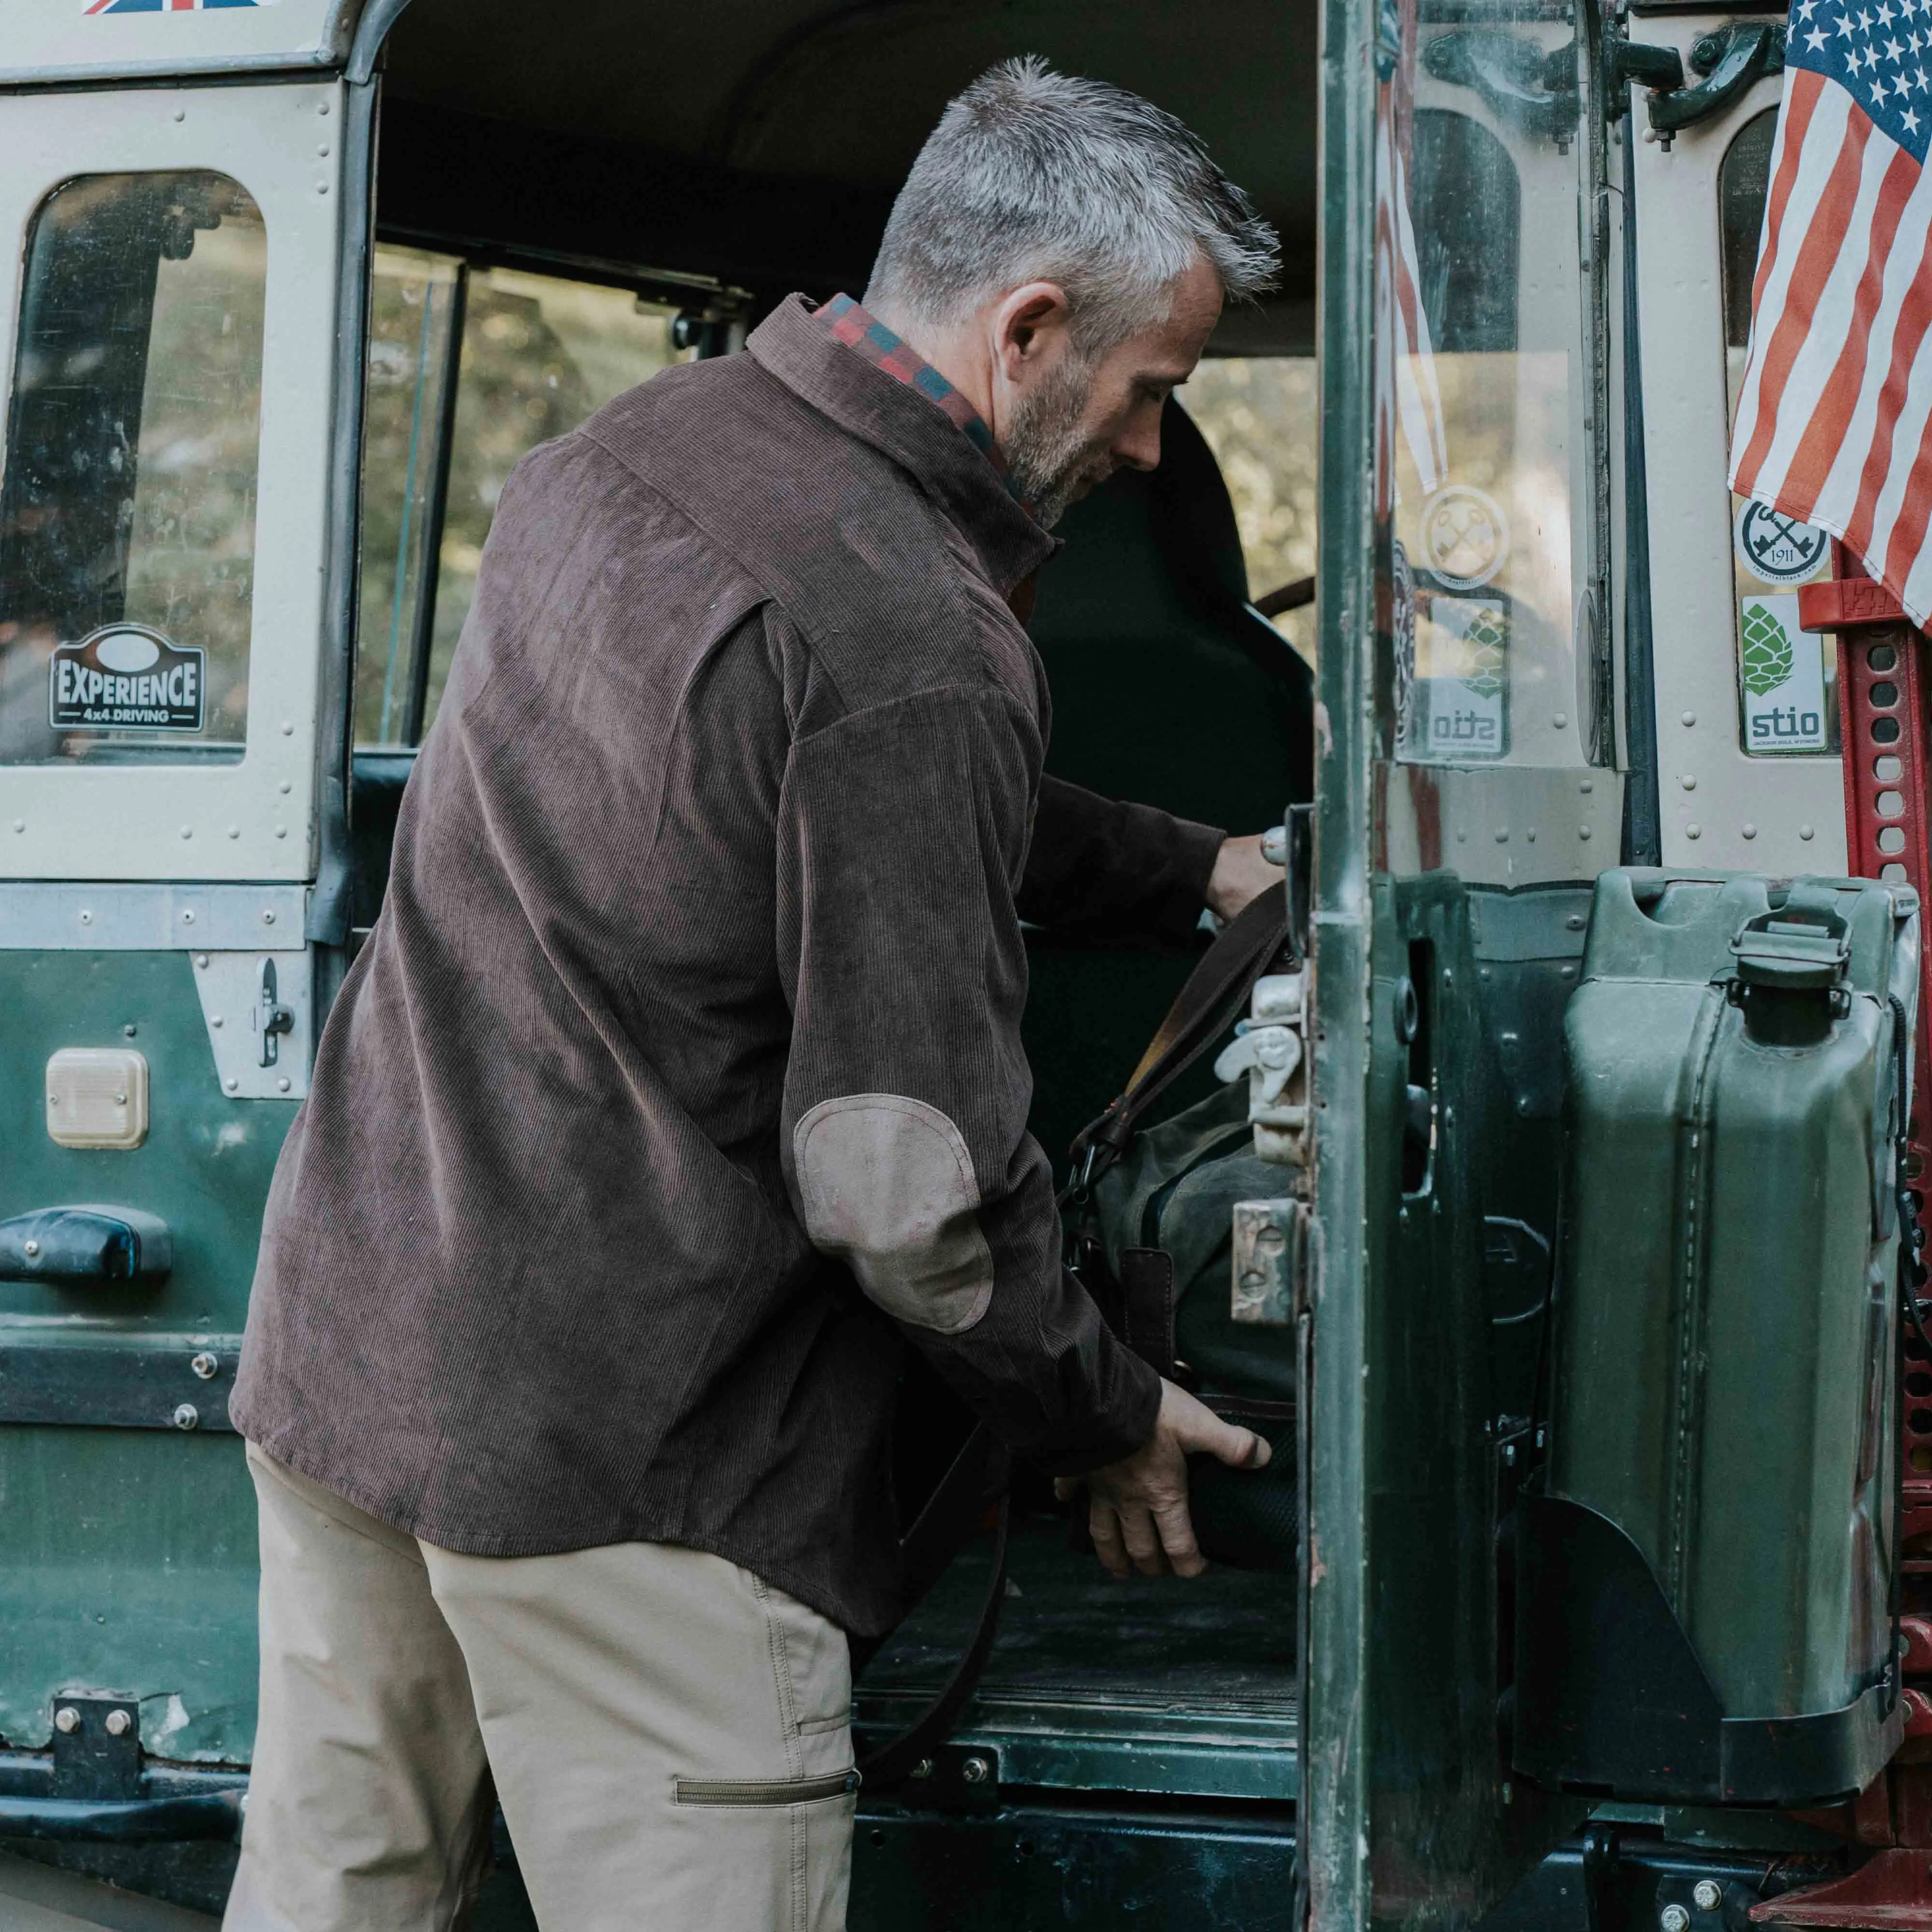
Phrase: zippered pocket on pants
(750, 1791)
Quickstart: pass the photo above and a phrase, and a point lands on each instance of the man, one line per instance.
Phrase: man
(680, 1083)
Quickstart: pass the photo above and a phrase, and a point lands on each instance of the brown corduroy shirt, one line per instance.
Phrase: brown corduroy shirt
(680, 1080)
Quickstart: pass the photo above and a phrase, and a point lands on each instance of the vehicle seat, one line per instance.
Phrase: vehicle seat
(1168, 689)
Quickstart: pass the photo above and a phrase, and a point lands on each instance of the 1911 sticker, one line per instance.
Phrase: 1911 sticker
(125, 677)
(1778, 549)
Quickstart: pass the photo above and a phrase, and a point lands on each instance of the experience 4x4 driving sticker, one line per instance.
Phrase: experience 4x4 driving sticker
(125, 677)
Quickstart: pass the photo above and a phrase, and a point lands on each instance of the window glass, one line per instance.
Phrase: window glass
(127, 507)
(1484, 465)
(413, 323)
(1787, 679)
(1258, 414)
(535, 356)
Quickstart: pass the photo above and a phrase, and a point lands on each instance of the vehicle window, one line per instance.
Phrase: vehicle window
(536, 355)
(1258, 413)
(128, 506)
(1498, 647)
(414, 324)
(1787, 679)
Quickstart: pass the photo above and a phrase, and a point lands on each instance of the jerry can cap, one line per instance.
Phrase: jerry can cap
(1803, 945)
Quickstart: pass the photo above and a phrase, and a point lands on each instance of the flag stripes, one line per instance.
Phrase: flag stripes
(1833, 423)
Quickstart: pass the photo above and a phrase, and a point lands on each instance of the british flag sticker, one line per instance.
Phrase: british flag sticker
(166, 6)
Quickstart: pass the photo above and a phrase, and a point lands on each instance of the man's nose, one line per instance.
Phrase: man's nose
(1139, 448)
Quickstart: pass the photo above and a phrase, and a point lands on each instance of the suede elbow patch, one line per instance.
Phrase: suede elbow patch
(887, 1185)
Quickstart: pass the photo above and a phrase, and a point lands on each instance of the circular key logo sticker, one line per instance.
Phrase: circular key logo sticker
(1465, 536)
(1778, 548)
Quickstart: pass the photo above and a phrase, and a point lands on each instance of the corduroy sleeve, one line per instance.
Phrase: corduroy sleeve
(902, 832)
(1098, 869)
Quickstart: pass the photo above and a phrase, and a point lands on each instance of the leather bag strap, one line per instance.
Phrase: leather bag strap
(1205, 1007)
(978, 1479)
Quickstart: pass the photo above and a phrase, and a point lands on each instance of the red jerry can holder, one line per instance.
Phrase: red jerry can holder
(1887, 750)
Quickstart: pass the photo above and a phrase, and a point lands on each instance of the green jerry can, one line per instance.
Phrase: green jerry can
(1704, 1564)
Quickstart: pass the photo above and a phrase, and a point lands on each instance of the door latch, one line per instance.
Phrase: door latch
(272, 1019)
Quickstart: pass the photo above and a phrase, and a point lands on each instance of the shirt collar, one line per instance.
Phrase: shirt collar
(853, 369)
(865, 334)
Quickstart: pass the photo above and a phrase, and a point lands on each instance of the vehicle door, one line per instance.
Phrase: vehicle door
(178, 335)
(1468, 794)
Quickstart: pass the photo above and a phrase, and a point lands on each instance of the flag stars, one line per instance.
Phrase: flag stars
(1899, 86)
(1911, 121)
(1893, 51)
(1815, 39)
(1864, 23)
(1884, 16)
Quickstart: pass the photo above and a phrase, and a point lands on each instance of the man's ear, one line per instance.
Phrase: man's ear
(1031, 325)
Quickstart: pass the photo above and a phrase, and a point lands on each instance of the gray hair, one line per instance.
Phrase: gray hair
(1033, 175)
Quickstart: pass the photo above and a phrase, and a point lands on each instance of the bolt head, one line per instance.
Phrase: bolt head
(187, 1417)
(66, 1720)
(976, 1770)
(119, 1723)
(1706, 1895)
(206, 1365)
(1674, 1918)
(924, 1769)
(30, 1249)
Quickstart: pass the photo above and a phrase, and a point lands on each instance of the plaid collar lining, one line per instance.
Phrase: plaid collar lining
(845, 321)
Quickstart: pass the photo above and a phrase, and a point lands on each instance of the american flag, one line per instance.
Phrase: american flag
(1834, 418)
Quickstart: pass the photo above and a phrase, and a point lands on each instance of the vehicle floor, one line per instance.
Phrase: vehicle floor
(1223, 1643)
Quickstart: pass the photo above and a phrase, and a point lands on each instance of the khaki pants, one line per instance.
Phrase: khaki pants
(669, 1736)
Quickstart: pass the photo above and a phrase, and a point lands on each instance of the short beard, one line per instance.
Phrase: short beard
(1052, 461)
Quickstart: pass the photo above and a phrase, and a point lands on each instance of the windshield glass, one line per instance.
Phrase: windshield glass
(1485, 466)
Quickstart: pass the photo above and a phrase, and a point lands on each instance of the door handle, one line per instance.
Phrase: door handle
(85, 1244)
(271, 1017)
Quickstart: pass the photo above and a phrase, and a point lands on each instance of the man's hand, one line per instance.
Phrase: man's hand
(1241, 874)
(1137, 1507)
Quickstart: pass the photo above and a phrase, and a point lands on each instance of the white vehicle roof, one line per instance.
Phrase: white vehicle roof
(93, 40)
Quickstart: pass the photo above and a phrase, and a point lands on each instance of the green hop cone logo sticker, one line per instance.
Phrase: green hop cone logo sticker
(1483, 642)
(1767, 652)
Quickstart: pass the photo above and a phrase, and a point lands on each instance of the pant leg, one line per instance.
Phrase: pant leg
(671, 1737)
(369, 1804)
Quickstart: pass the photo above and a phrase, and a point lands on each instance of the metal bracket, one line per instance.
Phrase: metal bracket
(254, 1003)
(96, 1746)
(1660, 69)
(1269, 1263)
(1732, 60)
